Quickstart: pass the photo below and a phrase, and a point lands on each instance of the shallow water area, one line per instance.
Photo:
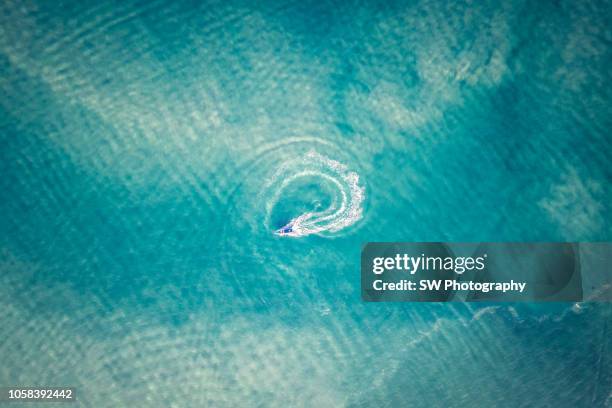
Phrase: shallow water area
(149, 152)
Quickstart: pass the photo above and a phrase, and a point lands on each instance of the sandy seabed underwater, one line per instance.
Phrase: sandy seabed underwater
(150, 150)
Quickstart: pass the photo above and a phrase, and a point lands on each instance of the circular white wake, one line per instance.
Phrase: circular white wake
(344, 196)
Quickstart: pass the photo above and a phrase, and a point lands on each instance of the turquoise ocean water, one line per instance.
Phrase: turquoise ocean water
(149, 150)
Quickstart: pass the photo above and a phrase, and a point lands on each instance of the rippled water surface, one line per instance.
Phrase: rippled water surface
(152, 153)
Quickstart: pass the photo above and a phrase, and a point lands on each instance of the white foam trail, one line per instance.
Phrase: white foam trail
(344, 210)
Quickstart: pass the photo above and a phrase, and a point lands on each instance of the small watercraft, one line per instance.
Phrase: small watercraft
(285, 230)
